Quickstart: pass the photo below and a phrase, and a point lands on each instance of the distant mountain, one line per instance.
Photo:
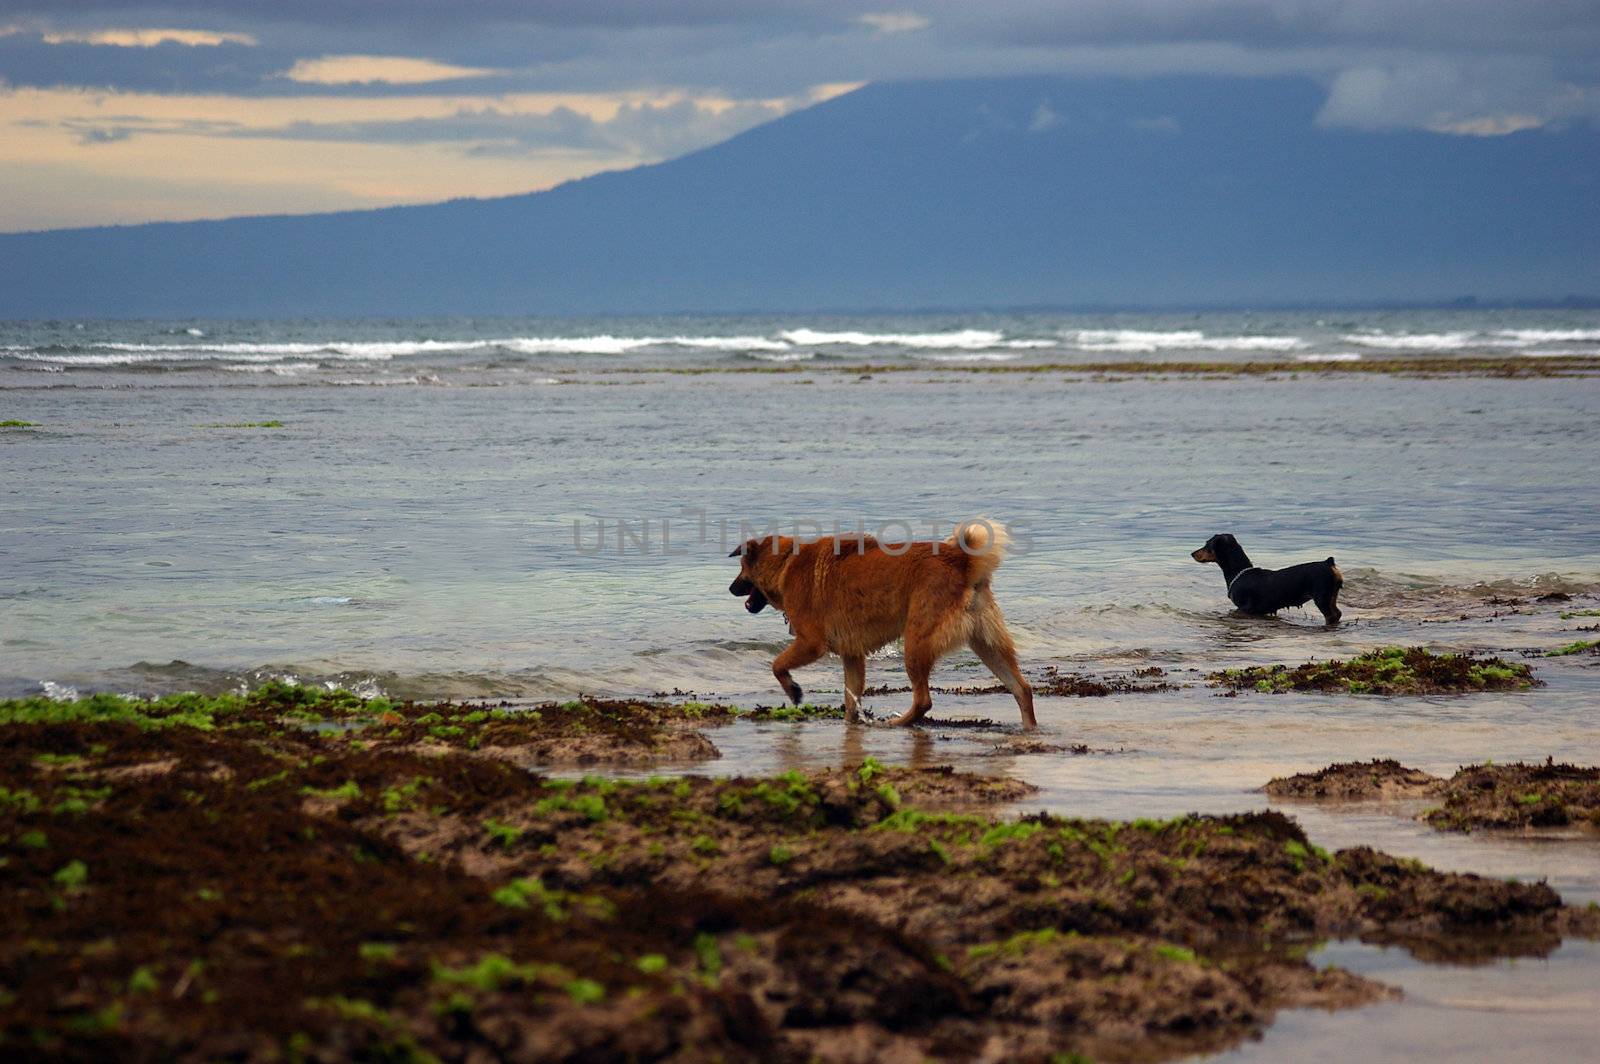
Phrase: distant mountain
(1011, 192)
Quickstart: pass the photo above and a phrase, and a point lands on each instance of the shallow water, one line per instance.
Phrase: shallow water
(1535, 1010)
(410, 529)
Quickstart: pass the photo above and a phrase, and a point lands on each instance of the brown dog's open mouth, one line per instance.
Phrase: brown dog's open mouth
(756, 602)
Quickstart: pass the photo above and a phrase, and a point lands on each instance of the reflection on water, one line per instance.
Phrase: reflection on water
(1524, 1009)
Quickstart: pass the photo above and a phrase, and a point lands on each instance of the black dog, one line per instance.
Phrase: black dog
(1263, 591)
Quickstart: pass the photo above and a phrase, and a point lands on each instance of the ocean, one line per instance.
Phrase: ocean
(425, 520)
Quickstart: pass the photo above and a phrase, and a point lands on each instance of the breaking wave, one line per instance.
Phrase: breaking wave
(967, 338)
(1142, 341)
(973, 356)
(282, 354)
(1468, 339)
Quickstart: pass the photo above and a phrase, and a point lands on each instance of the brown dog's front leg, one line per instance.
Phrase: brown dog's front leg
(797, 655)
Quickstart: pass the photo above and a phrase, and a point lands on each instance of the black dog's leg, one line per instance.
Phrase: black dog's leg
(1327, 599)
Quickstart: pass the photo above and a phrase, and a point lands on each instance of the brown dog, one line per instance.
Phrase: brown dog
(851, 595)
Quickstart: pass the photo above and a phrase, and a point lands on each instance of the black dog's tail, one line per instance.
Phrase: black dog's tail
(1337, 575)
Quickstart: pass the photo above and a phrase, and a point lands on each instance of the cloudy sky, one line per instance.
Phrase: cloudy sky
(127, 112)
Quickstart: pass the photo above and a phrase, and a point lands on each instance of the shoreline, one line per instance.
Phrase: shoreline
(1466, 366)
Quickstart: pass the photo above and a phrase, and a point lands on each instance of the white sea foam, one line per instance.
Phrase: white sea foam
(384, 350)
(960, 338)
(983, 356)
(1142, 341)
(783, 356)
(1547, 336)
(134, 354)
(621, 345)
(59, 692)
(728, 343)
(116, 353)
(281, 369)
(575, 345)
(1252, 343)
(215, 349)
(1337, 356)
(1453, 341)
(127, 359)
(1449, 341)
(1132, 339)
(195, 332)
(384, 382)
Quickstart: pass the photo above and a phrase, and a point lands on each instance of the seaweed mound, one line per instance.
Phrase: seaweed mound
(1389, 671)
(1488, 796)
(1357, 781)
(1519, 796)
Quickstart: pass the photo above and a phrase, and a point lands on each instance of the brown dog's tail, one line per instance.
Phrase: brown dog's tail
(984, 543)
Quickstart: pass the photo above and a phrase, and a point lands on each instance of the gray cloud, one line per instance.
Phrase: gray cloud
(1491, 95)
(637, 131)
(640, 131)
(1429, 63)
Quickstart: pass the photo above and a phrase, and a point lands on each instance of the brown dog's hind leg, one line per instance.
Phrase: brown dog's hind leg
(919, 667)
(796, 655)
(932, 633)
(995, 651)
(855, 682)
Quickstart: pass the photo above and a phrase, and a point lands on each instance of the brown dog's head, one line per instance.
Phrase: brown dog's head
(1220, 543)
(760, 564)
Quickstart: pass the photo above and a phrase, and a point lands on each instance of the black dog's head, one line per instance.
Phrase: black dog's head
(1217, 547)
(756, 569)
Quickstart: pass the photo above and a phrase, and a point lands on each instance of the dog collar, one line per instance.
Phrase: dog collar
(1240, 573)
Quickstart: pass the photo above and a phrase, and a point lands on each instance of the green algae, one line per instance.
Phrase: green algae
(72, 875)
(504, 834)
(490, 972)
(556, 904)
(348, 791)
